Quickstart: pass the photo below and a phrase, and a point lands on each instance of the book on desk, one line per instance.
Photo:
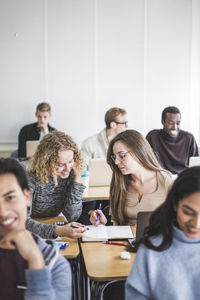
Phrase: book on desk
(103, 233)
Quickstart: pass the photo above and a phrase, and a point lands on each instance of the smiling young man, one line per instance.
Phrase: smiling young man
(172, 145)
(30, 267)
(35, 131)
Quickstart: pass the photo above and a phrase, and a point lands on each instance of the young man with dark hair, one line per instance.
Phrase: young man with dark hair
(172, 145)
(31, 268)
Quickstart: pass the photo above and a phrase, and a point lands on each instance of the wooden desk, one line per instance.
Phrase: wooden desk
(103, 266)
(97, 193)
(72, 250)
(103, 263)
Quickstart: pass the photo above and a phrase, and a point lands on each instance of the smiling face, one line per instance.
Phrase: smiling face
(13, 204)
(124, 159)
(65, 163)
(171, 125)
(188, 215)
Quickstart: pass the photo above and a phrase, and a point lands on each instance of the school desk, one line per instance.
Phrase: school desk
(97, 193)
(72, 254)
(72, 250)
(103, 264)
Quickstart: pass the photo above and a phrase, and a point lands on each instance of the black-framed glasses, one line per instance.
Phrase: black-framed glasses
(119, 156)
(124, 123)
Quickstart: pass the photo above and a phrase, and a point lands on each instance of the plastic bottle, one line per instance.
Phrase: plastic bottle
(85, 179)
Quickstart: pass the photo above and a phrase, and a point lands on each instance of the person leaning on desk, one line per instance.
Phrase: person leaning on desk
(55, 185)
(138, 181)
(31, 268)
(167, 262)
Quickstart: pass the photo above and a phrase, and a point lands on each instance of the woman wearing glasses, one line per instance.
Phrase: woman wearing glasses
(55, 185)
(138, 181)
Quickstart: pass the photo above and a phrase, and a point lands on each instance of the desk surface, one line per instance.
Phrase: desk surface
(72, 250)
(97, 193)
(103, 262)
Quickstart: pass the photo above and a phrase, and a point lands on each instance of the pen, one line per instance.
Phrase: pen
(115, 243)
(98, 216)
(76, 226)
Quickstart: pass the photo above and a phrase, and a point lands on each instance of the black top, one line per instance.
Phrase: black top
(29, 132)
(12, 276)
(173, 153)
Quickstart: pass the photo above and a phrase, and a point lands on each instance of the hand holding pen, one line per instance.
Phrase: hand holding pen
(97, 217)
(72, 230)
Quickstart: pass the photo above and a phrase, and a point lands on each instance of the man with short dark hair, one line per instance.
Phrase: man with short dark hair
(172, 145)
(35, 131)
(96, 146)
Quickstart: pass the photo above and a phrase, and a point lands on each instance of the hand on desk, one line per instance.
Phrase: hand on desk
(93, 218)
(68, 231)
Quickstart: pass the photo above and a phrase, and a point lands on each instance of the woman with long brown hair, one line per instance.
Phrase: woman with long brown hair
(138, 181)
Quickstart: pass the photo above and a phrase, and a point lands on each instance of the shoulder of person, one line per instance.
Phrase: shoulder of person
(51, 128)
(186, 134)
(90, 139)
(153, 132)
(49, 250)
(29, 126)
(32, 177)
(167, 177)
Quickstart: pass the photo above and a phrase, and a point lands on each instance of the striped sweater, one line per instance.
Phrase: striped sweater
(49, 200)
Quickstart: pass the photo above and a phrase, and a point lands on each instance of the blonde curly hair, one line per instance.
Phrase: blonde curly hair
(45, 159)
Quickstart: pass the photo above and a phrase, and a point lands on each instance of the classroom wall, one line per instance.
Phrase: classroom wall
(85, 56)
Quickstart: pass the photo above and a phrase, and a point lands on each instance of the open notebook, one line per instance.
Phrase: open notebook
(104, 233)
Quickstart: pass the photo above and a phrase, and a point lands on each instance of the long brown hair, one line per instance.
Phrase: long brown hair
(45, 159)
(140, 147)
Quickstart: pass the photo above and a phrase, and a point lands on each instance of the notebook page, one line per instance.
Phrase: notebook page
(119, 232)
(95, 233)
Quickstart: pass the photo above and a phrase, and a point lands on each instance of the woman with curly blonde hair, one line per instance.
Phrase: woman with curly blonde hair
(138, 181)
(55, 185)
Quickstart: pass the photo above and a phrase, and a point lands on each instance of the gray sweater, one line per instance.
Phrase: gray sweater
(172, 274)
(49, 200)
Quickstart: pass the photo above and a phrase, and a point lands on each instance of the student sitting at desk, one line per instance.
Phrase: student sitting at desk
(96, 146)
(30, 267)
(138, 182)
(55, 185)
(167, 262)
(35, 131)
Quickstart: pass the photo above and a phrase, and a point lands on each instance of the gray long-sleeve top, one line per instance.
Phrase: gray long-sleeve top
(49, 200)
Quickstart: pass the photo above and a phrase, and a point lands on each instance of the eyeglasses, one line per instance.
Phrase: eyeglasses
(124, 123)
(119, 156)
